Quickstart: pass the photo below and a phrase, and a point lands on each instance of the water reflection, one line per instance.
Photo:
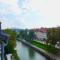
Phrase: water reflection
(31, 53)
(27, 53)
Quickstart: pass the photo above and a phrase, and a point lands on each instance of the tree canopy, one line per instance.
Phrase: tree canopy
(53, 35)
(12, 40)
(27, 35)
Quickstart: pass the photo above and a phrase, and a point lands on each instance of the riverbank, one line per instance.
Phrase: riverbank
(45, 47)
(51, 51)
(41, 51)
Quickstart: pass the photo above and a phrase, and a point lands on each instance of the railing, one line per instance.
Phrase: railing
(3, 39)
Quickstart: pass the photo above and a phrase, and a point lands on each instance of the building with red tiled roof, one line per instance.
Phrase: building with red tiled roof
(43, 30)
(41, 34)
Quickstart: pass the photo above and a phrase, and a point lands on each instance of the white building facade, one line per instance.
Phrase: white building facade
(41, 35)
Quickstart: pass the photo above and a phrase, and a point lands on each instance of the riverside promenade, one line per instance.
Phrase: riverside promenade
(41, 51)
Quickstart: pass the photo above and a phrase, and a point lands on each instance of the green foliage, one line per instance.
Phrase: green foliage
(15, 55)
(30, 36)
(27, 35)
(12, 38)
(11, 43)
(22, 34)
(48, 48)
(53, 35)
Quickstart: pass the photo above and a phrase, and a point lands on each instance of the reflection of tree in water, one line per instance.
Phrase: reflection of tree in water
(31, 53)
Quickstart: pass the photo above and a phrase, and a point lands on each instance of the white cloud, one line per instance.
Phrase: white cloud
(31, 13)
(5, 23)
(9, 1)
(11, 23)
(54, 10)
(12, 6)
(40, 6)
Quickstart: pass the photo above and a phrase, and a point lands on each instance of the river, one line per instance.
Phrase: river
(26, 53)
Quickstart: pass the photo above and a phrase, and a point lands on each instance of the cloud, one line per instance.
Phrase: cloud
(30, 13)
(9, 6)
(5, 23)
(54, 10)
(9, 1)
(9, 12)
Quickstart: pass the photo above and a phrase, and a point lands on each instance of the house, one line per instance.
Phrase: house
(41, 34)
(57, 45)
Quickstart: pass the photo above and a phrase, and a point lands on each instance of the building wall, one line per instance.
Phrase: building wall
(41, 35)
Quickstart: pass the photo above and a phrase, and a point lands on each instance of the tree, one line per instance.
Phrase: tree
(11, 44)
(30, 36)
(12, 40)
(53, 35)
(27, 35)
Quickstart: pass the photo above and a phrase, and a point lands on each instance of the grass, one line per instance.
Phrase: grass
(47, 48)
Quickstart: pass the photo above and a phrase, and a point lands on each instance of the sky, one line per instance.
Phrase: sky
(29, 13)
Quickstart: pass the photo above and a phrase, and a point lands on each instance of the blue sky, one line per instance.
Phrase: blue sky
(29, 13)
